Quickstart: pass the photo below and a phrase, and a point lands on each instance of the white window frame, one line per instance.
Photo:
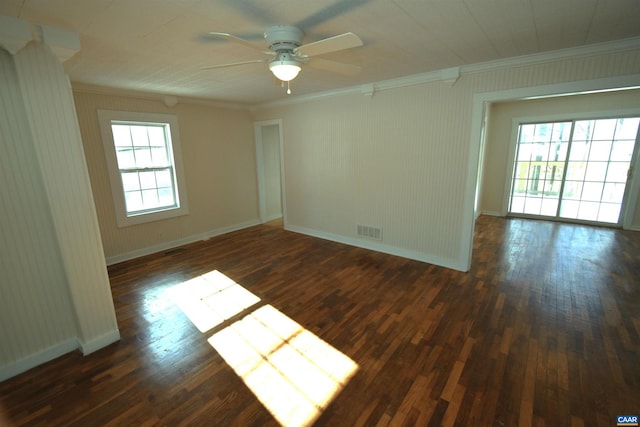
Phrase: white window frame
(105, 118)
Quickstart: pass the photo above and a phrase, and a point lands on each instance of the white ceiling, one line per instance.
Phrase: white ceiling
(160, 46)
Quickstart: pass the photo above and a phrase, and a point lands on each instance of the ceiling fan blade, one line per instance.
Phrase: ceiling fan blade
(338, 8)
(332, 44)
(336, 67)
(233, 64)
(235, 39)
(259, 15)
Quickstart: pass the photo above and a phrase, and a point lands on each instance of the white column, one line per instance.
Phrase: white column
(50, 113)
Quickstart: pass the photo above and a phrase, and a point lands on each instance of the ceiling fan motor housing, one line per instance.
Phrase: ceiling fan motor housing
(283, 37)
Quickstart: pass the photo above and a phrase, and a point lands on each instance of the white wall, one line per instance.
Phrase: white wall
(271, 163)
(55, 294)
(406, 159)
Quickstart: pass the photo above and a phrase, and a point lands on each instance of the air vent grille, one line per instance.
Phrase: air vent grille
(370, 232)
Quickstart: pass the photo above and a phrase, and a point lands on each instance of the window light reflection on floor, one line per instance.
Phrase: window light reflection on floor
(291, 371)
(210, 299)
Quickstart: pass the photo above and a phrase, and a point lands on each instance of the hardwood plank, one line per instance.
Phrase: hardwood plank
(544, 330)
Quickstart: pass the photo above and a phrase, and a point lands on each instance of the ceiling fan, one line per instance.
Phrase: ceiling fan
(286, 54)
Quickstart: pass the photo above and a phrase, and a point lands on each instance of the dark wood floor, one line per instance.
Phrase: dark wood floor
(544, 330)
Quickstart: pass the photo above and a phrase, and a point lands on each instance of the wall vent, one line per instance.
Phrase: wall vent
(370, 232)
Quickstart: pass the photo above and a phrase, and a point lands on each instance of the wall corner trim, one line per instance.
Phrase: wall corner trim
(14, 34)
(102, 341)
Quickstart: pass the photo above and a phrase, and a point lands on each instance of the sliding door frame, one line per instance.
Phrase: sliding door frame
(632, 189)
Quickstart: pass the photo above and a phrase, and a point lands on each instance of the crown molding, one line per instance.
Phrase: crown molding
(585, 51)
(64, 44)
(450, 75)
(15, 33)
(167, 99)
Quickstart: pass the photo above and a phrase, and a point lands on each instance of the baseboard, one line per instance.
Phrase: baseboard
(378, 247)
(492, 213)
(38, 358)
(97, 343)
(175, 243)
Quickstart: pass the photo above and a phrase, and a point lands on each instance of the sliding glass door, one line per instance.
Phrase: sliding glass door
(575, 170)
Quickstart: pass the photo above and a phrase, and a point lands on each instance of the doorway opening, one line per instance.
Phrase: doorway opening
(270, 171)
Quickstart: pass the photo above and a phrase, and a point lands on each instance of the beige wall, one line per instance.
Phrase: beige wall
(400, 160)
(219, 161)
(404, 160)
(495, 183)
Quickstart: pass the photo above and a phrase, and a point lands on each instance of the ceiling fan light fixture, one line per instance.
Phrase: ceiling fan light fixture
(285, 69)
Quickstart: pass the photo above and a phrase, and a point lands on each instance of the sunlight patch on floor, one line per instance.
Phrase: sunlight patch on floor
(293, 373)
(210, 299)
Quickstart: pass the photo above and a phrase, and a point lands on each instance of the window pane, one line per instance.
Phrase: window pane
(596, 171)
(572, 190)
(617, 172)
(600, 151)
(559, 151)
(569, 209)
(613, 192)
(544, 152)
(147, 180)
(156, 136)
(150, 198)
(609, 213)
(532, 205)
(143, 157)
(561, 131)
(133, 201)
(583, 130)
(139, 135)
(542, 132)
(121, 135)
(526, 133)
(525, 153)
(165, 196)
(552, 186)
(622, 150)
(592, 191)
(517, 204)
(130, 181)
(627, 128)
(159, 157)
(125, 158)
(576, 171)
(549, 206)
(163, 178)
(604, 129)
(588, 211)
(579, 151)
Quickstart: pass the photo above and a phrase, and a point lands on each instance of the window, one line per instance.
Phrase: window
(145, 167)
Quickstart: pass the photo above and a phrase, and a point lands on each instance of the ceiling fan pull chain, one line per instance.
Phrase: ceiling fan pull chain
(288, 88)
